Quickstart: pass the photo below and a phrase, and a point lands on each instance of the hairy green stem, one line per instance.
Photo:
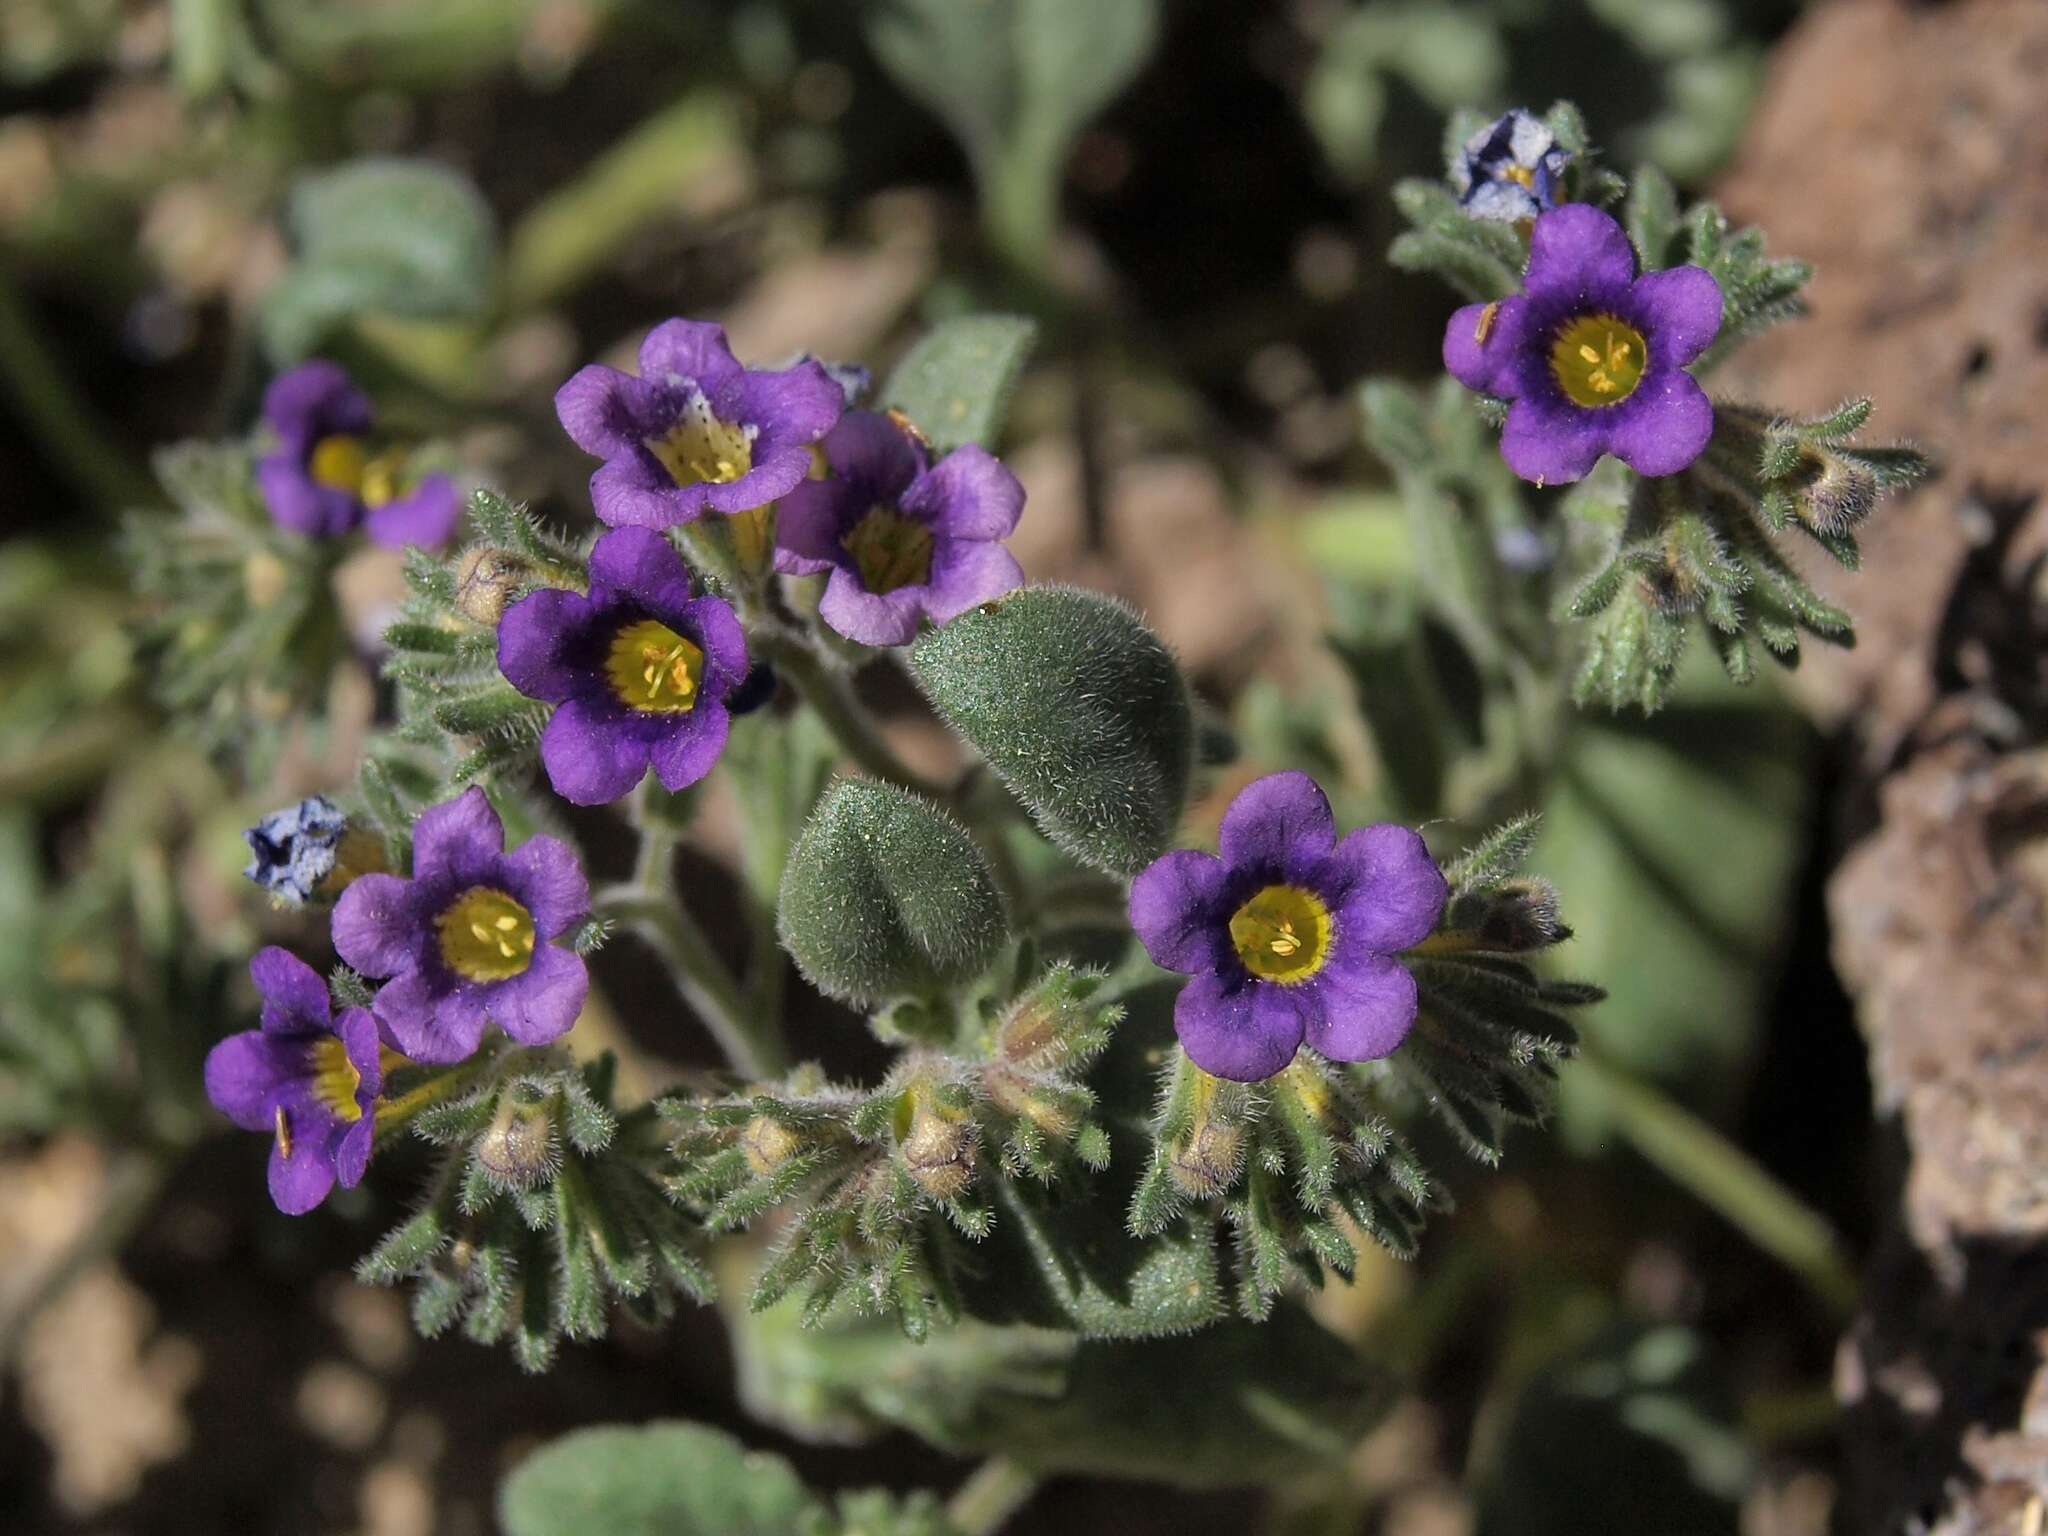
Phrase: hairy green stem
(1700, 1159)
(830, 695)
(993, 1492)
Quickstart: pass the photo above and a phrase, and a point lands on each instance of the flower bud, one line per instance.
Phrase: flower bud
(768, 1144)
(884, 896)
(1206, 1157)
(488, 579)
(1081, 711)
(519, 1150)
(1511, 917)
(938, 1149)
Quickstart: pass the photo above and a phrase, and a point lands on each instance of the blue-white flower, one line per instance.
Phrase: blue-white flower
(1510, 169)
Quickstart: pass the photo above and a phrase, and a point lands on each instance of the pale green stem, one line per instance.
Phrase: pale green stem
(1700, 1159)
(827, 691)
(993, 1492)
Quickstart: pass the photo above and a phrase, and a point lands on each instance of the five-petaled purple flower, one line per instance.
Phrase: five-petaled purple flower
(1592, 356)
(640, 670)
(309, 1079)
(1291, 934)
(695, 429)
(902, 538)
(465, 940)
(324, 481)
(1510, 169)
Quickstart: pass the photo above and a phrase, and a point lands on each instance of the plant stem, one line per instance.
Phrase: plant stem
(1700, 1159)
(78, 445)
(828, 693)
(993, 1492)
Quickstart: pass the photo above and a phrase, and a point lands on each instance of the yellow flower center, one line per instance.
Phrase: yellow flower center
(1598, 360)
(1521, 175)
(335, 1079)
(341, 463)
(486, 935)
(700, 449)
(653, 668)
(890, 550)
(1282, 933)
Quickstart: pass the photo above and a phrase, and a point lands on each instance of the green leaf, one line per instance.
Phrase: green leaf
(1081, 711)
(381, 236)
(885, 896)
(955, 383)
(1015, 81)
(661, 1479)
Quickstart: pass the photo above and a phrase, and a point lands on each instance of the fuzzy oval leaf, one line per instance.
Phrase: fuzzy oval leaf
(884, 896)
(1079, 708)
(398, 237)
(661, 1479)
(955, 384)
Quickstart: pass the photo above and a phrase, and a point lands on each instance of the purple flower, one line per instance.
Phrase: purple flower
(1592, 356)
(324, 482)
(900, 537)
(1510, 169)
(1291, 934)
(640, 670)
(695, 429)
(309, 1079)
(464, 941)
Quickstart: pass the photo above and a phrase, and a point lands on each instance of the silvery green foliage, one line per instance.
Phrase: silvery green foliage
(886, 897)
(1079, 708)
(956, 382)
(1654, 560)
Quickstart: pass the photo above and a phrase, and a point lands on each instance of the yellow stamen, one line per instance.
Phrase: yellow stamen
(1521, 175)
(1598, 360)
(1485, 326)
(338, 462)
(486, 935)
(1282, 933)
(336, 1080)
(890, 550)
(702, 450)
(284, 1134)
(653, 668)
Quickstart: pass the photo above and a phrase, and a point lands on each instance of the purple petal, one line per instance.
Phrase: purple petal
(1177, 909)
(877, 458)
(600, 408)
(373, 926)
(1679, 310)
(792, 406)
(426, 515)
(312, 401)
(643, 565)
(966, 573)
(1276, 823)
(544, 876)
(695, 351)
(461, 838)
(352, 1152)
(686, 754)
(852, 610)
(592, 755)
(246, 1072)
(1668, 422)
(1396, 891)
(774, 475)
(295, 1000)
(1579, 255)
(809, 523)
(531, 638)
(541, 1005)
(1366, 1007)
(718, 631)
(626, 494)
(431, 1024)
(301, 1181)
(298, 505)
(1552, 444)
(969, 494)
(1487, 366)
(1243, 1030)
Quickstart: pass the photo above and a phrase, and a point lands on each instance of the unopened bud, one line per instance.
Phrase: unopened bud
(768, 1144)
(1017, 1096)
(1205, 1158)
(1512, 917)
(519, 1149)
(487, 580)
(263, 578)
(938, 1151)
(1836, 494)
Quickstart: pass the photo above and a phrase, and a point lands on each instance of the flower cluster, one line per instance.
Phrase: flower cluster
(1291, 934)
(324, 480)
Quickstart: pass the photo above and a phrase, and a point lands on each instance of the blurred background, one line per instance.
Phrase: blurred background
(1778, 1269)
